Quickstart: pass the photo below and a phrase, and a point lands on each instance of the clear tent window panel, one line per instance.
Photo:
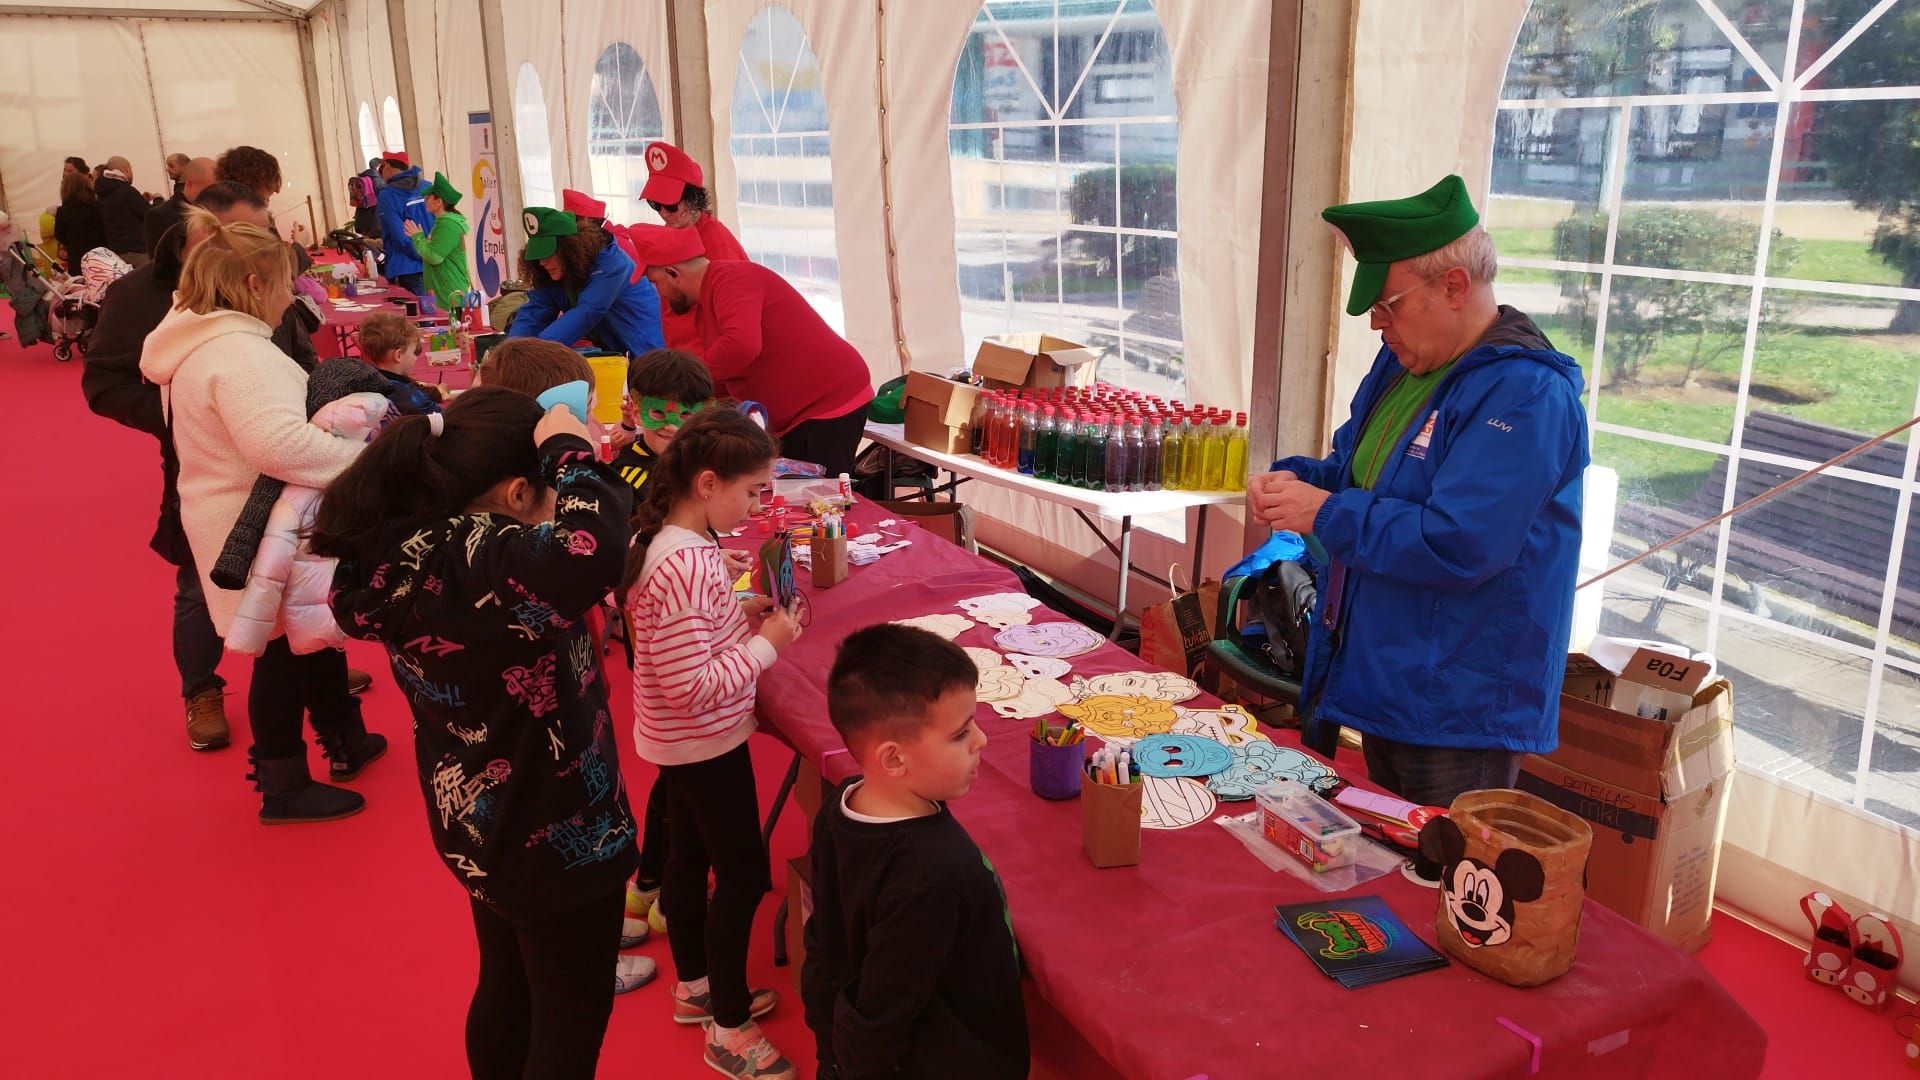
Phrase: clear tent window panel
(781, 159)
(1713, 203)
(1063, 135)
(623, 116)
(536, 145)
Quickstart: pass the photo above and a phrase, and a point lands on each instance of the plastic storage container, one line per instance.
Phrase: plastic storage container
(1306, 826)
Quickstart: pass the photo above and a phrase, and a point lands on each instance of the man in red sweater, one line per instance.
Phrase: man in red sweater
(676, 189)
(765, 343)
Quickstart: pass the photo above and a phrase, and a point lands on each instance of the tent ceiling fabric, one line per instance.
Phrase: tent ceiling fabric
(287, 8)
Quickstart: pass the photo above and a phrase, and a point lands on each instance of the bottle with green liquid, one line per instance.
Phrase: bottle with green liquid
(1172, 447)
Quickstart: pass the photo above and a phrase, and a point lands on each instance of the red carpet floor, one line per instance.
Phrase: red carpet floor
(153, 928)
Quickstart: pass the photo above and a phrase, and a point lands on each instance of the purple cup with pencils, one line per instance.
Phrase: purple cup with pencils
(1056, 759)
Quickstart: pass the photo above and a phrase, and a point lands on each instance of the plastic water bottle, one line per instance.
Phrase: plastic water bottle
(1119, 455)
(1214, 470)
(1093, 452)
(1028, 431)
(1066, 452)
(1236, 478)
(1046, 438)
(1150, 443)
(1173, 447)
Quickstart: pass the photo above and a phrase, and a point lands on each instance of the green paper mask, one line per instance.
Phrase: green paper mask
(657, 413)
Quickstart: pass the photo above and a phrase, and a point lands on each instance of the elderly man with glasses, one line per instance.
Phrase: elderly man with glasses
(1446, 521)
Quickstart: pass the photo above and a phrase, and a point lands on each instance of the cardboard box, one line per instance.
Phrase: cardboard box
(939, 413)
(1646, 758)
(1012, 361)
(799, 910)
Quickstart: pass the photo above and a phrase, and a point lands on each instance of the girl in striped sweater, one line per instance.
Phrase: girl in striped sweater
(698, 653)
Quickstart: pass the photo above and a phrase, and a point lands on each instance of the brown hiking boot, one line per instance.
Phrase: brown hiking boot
(207, 720)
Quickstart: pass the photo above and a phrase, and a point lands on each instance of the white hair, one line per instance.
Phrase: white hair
(1473, 252)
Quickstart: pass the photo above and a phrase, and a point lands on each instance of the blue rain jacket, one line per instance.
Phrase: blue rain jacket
(617, 312)
(1454, 577)
(402, 198)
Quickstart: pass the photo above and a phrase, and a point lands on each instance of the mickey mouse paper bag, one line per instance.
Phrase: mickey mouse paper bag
(1513, 878)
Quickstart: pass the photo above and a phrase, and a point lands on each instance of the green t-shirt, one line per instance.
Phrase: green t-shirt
(1402, 403)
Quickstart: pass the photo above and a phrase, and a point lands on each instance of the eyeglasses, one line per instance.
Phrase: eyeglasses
(663, 207)
(1383, 310)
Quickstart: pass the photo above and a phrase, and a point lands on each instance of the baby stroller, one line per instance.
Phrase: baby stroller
(27, 275)
(76, 301)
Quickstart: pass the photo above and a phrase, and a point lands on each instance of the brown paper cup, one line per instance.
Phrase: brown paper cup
(1110, 823)
(829, 561)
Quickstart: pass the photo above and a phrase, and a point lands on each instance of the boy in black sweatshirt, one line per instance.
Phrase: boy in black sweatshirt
(911, 967)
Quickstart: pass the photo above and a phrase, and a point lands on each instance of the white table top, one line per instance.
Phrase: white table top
(1106, 504)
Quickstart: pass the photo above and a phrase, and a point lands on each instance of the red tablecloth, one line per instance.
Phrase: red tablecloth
(341, 322)
(1173, 968)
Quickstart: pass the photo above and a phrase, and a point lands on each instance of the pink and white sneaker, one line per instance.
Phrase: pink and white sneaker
(745, 1052)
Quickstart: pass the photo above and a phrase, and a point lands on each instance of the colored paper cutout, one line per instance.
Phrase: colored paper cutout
(1120, 716)
(1057, 639)
(1002, 601)
(999, 684)
(1001, 618)
(1229, 724)
(1040, 667)
(1180, 755)
(1257, 764)
(985, 658)
(947, 626)
(1038, 698)
(1164, 685)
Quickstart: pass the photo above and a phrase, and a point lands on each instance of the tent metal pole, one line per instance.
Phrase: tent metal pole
(506, 138)
(322, 166)
(689, 93)
(56, 12)
(403, 78)
(1270, 280)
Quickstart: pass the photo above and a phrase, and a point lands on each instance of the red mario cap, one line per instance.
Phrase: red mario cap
(658, 245)
(397, 157)
(580, 204)
(669, 171)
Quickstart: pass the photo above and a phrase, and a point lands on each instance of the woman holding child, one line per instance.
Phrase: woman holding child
(236, 407)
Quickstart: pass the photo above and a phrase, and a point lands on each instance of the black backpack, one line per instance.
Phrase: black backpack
(1284, 596)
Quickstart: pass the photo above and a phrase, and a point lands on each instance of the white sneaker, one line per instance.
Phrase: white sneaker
(632, 973)
(633, 932)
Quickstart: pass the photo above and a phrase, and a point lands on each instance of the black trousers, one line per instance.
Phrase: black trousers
(545, 991)
(284, 686)
(196, 644)
(713, 823)
(653, 841)
(830, 443)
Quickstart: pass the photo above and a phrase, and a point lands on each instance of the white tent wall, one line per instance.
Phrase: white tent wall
(535, 36)
(449, 81)
(338, 138)
(145, 88)
(80, 87)
(590, 28)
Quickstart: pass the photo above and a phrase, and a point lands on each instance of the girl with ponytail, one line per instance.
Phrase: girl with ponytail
(472, 543)
(698, 653)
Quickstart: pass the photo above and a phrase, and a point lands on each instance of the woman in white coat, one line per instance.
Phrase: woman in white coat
(237, 409)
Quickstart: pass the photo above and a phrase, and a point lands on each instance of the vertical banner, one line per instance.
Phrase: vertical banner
(490, 232)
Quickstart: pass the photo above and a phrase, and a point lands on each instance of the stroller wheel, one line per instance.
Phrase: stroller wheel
(63, 352)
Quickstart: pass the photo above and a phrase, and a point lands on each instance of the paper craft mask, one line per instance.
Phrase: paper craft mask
(1257, 764)
(1164, 685)
(999, 684)
(1000, 619)
(1174, 802)
(657, 413)
(1057, 639)
(1180, 755)
(776, 569)
(1039, 667)
(1117, 716)
(1004, 601)
(574, 395)
(1037, 698)
(1229, 724)
(986, 658)
(947, 626)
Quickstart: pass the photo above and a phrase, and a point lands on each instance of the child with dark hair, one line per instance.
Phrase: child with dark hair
(471, 543)
(911, 967)
(391, 343)
(666, 387)
(698, 654)
(532, 366)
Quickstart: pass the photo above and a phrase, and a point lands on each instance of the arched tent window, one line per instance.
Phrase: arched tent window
(1725, 232)
(623, 116)
(536, 148)
(1063, 136)
(370, 147)
(390, 123)
(781, 160)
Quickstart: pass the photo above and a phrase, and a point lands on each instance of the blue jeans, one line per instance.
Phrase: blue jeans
(1436, 775)
(413, 283)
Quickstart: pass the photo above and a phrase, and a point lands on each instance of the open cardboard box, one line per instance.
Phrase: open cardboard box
(939, 412)
(1042, 361)
(1646, 757)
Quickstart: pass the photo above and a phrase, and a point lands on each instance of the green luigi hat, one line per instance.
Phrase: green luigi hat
(443, 190)
(1384, 232)
(545, 226)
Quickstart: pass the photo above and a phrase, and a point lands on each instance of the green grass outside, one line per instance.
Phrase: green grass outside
(1819, 260)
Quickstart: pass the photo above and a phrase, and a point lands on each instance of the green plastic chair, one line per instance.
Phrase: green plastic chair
(1246, 661)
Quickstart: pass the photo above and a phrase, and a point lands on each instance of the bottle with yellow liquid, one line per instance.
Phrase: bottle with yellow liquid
(1214, 469)
(1173, 452)
(1193, 459)
(1236, 478)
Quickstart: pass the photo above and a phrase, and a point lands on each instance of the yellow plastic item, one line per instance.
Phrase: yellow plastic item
(609, 385)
